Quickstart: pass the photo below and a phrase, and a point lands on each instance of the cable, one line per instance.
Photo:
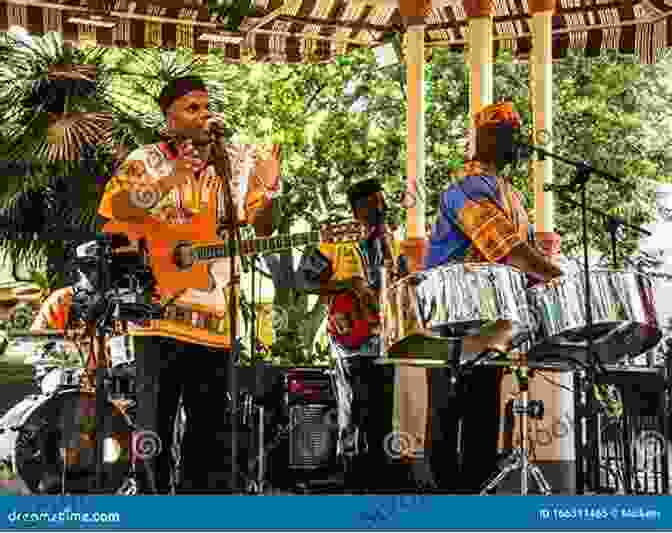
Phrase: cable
(552, 382)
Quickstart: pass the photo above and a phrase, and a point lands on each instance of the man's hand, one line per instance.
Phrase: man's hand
(367, 297)
(531, 261)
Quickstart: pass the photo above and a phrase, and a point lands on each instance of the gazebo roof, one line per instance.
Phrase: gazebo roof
(318, 30)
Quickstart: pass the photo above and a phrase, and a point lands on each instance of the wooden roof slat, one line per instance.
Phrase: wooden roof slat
(317, 30)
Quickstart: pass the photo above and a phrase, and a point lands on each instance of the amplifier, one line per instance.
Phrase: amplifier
(313, 418)
(313, 436)
(308, 385)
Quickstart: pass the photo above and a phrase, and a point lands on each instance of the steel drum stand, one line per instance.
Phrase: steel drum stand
(579, 185)
(519, 458)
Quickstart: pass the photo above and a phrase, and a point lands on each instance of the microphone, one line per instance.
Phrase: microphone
(112, 240)
(197, 136)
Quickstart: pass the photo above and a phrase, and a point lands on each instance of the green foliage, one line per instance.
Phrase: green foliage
(346, 121)
(231, 12)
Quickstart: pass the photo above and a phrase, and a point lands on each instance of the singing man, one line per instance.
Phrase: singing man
(186, 353)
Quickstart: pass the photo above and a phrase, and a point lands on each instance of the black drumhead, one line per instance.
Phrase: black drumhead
(57, 445)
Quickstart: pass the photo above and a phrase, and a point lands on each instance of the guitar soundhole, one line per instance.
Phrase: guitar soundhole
(182, 256)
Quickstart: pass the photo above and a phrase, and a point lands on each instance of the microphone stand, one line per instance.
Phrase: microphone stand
(104, 284)
(580, 185)
(223, 167)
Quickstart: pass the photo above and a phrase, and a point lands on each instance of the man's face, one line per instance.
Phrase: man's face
(365, 208)
(191, 111)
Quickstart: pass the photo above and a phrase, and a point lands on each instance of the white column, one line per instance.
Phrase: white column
(415, 118)
(541, 64)
(480, 68)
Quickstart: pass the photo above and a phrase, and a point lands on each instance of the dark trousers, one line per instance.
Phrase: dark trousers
(465, 429)
(166, 371)
(372, 412)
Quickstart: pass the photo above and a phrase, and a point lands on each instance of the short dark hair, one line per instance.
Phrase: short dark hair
(363, 189)
(177, 88)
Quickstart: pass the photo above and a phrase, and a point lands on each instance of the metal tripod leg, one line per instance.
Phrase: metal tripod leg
(519, 458)
(516, 461)
(544, 486)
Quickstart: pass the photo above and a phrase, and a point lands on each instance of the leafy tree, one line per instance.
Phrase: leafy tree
(342, 122)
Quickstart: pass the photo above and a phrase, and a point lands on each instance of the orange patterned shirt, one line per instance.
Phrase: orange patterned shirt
(199, 317)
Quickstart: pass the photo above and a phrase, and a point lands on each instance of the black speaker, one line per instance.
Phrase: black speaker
(313, 419)
(313, 436)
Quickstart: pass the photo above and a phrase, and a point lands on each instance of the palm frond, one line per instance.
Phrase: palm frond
(70, 132)
(48, 92)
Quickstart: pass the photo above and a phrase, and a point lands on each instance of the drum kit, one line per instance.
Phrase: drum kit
(48, 439)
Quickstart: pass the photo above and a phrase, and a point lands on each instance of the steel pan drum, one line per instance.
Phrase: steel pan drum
(623, 309)
(425, 310)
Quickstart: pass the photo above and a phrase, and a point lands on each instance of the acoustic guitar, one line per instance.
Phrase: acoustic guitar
(180, 255)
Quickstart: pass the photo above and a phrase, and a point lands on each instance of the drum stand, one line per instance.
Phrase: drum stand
(519, 458)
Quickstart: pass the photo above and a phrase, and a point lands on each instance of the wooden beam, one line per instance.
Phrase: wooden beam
(510, 37)
(266, 19)
(123, 15)
(318, 37)
(334, 23)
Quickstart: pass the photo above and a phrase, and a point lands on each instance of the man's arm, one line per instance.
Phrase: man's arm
(316, 274)
(531, 261)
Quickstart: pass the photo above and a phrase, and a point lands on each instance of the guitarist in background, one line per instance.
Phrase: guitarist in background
(346, 276)
(186, 354)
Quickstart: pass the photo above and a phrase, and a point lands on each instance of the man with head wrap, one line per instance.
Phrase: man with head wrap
(173, 183)
(482, 220)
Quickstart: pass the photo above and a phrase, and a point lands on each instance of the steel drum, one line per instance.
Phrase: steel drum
(624, 317)
(426, 311)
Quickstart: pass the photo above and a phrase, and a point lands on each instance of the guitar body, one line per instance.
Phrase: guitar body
(199, 312)
(162, 239)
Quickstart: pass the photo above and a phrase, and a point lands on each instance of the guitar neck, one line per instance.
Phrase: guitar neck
(254, 246)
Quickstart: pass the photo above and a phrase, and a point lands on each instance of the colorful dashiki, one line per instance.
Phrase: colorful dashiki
(199, 317)
(481, 219)
(349, 260)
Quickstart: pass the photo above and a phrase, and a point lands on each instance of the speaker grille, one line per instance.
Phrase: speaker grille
(312, 442)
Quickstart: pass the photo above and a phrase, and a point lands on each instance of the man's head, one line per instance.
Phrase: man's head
(496, 125)
(368, 202)
(184, 101)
